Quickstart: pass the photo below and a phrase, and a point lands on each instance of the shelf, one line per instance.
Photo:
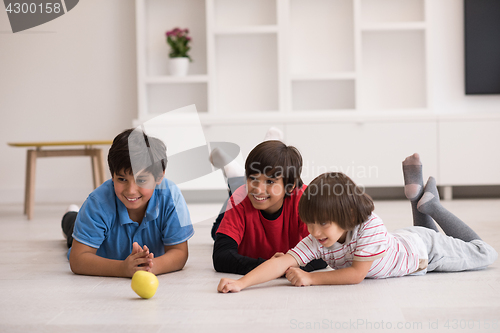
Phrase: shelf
(394, 26)
(265, 29)
(324, 76)
(174, 79)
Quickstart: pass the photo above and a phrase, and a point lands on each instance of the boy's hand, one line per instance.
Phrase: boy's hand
(139, 259)
(229, 285)
(148, 266)
(151, 263)
(298, 277)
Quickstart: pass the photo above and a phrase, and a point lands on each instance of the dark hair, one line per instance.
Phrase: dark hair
(133, 151)
(334, 197)
(275, 159)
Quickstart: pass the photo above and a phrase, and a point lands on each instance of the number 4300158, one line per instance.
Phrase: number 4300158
(33, 8)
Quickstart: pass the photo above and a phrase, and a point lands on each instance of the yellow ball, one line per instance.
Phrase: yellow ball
(144, 284)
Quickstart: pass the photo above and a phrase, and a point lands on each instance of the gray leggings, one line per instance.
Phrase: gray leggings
(448, 254)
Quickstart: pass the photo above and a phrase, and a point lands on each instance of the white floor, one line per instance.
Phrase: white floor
(38, 292)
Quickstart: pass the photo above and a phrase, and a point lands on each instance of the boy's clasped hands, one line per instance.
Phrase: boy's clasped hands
(140, 259)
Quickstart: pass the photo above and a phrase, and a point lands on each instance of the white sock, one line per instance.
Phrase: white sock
(273, 133)
(233, 169)
(221, 160)
(72, 208)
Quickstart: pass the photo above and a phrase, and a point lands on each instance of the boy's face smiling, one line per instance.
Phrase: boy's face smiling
(327, 233)
(135, 192)
(266, 193)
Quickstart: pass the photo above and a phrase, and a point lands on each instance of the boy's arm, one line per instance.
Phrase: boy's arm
(269, 270)
(349, 275)
(226, 258)
(174, 259)
(83, 260)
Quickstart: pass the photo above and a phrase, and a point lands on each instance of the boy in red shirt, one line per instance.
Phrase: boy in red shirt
(261, 219)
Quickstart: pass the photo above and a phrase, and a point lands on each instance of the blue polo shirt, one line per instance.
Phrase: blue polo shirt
(103, 222)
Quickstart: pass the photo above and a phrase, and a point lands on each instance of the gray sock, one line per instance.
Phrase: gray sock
(451, 225)
(414, 189)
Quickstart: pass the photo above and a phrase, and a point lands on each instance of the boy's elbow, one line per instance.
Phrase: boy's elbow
(184, 261)
(221, 265)
(76, 263)
(73, 265)
(358, 278)
(218, 265)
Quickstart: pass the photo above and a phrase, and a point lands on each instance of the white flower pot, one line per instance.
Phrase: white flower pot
(178, 66)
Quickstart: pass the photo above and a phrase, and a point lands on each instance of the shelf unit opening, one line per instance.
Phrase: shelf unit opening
(167, 97)
(244, 13)
(164, 15)
(253, 57)
(393, 72)
(321, 36)
(392, 11)
(246, 73)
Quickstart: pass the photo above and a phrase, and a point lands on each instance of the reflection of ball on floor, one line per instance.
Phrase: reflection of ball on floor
(144, 284)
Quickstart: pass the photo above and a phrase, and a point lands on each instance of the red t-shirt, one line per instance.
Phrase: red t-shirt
(257, 236)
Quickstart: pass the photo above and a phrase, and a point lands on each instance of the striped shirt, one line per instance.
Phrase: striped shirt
(392, 254)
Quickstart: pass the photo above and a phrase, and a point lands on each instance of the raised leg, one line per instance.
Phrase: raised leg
(452, 226)
(414, 189)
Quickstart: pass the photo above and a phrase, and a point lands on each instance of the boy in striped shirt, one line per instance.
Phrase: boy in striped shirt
(353, 240)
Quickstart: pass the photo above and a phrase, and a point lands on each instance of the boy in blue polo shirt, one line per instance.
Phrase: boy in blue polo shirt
(138, 220)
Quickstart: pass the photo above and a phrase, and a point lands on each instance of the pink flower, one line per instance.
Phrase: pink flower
(178, 40)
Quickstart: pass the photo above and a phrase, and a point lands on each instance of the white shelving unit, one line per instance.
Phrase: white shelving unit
(328, 73)
(285, 57)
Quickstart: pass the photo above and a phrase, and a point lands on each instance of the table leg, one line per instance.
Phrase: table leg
(97, 167)
(100, 165)
(95, 176)
(29, 194)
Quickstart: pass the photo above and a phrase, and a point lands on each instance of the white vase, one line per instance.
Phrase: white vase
(178, 66)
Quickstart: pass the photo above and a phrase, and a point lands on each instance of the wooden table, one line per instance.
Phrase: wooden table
(39, 151)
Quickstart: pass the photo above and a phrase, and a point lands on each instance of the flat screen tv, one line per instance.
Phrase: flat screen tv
(482, 46)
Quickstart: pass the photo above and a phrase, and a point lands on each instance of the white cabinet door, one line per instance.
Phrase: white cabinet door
(469, 152)
(370, 153)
